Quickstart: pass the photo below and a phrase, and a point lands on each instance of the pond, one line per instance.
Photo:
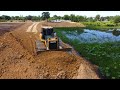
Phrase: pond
(93, 36)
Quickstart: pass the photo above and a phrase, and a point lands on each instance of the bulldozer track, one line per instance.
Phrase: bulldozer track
(30, 27)
(33, 27)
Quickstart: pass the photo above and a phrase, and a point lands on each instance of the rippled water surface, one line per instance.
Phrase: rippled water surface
(91, 36)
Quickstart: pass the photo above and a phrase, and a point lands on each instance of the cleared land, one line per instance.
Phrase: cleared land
(18, 60)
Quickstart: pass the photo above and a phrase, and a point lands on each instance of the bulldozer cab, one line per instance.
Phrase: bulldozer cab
(47, 32)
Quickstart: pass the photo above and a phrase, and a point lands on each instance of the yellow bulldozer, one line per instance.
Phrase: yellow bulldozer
(48, 40)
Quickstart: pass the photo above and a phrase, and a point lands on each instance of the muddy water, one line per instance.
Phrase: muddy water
(92, 36)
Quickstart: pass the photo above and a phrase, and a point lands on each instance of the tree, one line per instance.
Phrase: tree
(21, 18)
(66, 17)
(45, 15)
(80, 18)
(16, 17)
(39, 18)
(72, 17)
(12, 18)
(59, 17)
(5, 17)
(97, 17)
(35, 18)
(90, 19)
(117, 19)
(108, 18)
(29, 17)
(0, 17)
(102, 18)
(55, 17)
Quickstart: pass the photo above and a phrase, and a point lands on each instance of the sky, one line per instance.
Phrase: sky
(61, 13)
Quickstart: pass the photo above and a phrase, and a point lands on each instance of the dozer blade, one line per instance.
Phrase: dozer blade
(40, 47)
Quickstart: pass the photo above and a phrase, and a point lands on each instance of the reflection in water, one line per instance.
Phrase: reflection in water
(116, 32)
(91, 36)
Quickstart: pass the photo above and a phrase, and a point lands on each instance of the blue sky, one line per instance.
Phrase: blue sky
(61, 13)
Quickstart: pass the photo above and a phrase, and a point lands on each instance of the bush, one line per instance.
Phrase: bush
(117, 19)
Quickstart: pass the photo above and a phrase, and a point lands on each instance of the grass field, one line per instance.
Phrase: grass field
(101, 25)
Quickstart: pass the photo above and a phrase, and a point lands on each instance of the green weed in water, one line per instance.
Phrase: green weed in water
(105, 55)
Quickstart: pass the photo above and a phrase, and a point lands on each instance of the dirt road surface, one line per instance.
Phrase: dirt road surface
(33, 27)
(18, 61)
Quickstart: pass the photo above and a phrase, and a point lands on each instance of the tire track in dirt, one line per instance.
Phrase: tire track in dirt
(30, 27)
(33, 27)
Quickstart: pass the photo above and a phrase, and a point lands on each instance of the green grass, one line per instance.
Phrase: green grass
(105, 55)
(68, 28)
(101, 25)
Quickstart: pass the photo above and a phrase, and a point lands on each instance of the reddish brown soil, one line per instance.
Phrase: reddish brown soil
(63, 24)
(17, 59)
(6, 27)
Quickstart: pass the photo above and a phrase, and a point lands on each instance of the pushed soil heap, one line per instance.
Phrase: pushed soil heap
(18, 60)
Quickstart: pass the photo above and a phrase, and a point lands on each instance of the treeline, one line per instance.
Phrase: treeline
(44, 16)
(72, 17)
(29, 17)
(78, 18)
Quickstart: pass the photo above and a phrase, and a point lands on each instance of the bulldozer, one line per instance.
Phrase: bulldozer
(49, 41)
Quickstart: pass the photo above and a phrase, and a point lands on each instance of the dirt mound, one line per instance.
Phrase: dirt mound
(54, 62)
(63, 24)
(85, 71)
(10, 55)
